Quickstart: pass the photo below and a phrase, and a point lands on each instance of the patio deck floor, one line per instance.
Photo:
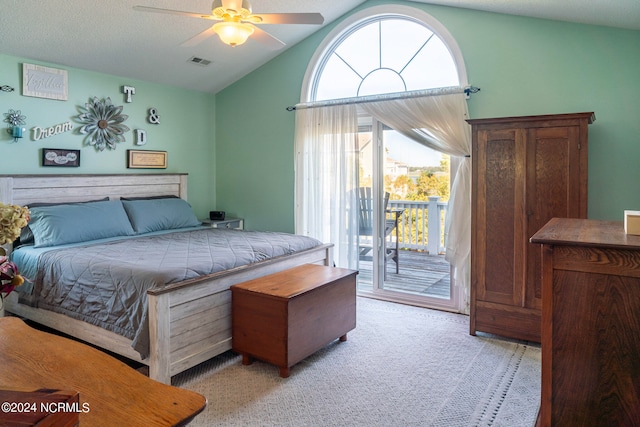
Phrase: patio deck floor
(420, 273)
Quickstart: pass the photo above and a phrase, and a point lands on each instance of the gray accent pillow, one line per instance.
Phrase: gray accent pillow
(150, 215)
(81, 222)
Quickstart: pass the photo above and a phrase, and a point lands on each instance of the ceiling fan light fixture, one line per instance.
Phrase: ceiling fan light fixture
(233, 33)
(240, 8)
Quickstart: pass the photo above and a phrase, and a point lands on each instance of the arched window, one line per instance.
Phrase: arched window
(381, 50)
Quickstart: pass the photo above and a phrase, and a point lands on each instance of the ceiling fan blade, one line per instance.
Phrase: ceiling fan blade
(291, 18)
(199, 38)
(175, 12)
(266, 39)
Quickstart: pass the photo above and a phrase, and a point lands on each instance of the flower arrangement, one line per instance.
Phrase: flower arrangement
(12, 219)
(10, 278)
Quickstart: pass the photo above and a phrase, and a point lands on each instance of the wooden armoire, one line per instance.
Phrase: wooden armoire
(525, 171)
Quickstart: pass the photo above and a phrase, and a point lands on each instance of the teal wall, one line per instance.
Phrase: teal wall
(524, 66)
(254, 165)
(237, 145)
(185, 131)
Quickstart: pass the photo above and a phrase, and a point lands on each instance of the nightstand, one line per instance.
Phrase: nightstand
(235, 223)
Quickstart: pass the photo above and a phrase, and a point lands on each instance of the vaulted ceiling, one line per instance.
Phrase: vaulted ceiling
(113, 38)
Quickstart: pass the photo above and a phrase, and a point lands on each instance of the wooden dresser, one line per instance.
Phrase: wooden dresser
(525, 171)
(590, 324)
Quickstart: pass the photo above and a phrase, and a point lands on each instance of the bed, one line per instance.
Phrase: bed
(184, 310)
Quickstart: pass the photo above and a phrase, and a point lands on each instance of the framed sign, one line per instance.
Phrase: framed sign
(44, 82)
(145, 159)
(58, 157)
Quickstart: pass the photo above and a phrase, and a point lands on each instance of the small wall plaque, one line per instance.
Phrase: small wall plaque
(44, 82)
(58, 157)
(145, 159)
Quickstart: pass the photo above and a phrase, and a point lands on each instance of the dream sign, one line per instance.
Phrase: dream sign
(40, 133)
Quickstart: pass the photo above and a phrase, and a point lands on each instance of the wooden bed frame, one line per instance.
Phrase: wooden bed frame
(189, 321)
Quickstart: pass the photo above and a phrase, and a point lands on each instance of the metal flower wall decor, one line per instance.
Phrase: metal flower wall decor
(16, 120)
(103, 123)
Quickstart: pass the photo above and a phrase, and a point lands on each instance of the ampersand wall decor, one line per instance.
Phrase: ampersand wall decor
(154, 117)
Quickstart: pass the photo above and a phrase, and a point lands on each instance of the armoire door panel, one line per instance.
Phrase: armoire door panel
(551, 193)
(498, 191)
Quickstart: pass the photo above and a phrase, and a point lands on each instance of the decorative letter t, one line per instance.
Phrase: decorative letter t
(129, 90)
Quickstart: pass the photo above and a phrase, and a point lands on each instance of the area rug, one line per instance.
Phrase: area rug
(401, 366)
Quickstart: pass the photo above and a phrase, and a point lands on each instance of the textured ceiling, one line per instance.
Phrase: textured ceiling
(611, 13)
(111, 37)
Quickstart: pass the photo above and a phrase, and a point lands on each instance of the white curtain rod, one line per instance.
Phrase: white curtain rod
(468, 90)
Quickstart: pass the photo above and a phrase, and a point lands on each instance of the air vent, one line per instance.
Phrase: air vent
(199, 61)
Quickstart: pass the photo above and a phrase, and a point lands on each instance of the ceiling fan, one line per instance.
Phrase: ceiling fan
(237, 22)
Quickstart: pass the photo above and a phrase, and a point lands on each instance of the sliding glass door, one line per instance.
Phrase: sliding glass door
(403, 193)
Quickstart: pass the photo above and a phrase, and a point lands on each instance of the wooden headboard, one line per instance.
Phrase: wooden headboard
(25, 189)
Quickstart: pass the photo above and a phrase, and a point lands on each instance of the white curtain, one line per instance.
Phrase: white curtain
(326, 178)
(327, 167)
(438, 122)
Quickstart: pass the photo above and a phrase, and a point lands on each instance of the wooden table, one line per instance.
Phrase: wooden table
(111, 393)
(284, 317)
(590, 324)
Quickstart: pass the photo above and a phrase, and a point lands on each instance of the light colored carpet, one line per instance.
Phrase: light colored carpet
(401, 366)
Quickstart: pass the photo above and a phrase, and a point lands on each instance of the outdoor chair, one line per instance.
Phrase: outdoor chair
(365, 226)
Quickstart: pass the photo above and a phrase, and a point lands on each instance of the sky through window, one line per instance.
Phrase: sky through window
(385, 55)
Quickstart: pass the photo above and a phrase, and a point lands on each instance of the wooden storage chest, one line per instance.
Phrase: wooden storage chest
(284, 317)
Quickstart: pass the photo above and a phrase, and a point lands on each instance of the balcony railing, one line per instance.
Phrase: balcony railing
(421, 226)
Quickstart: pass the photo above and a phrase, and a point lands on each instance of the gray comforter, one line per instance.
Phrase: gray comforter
(105, 284)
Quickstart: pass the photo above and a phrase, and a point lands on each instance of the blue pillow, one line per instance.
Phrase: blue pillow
(160, 214)
(26, 236)
(72, 223)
